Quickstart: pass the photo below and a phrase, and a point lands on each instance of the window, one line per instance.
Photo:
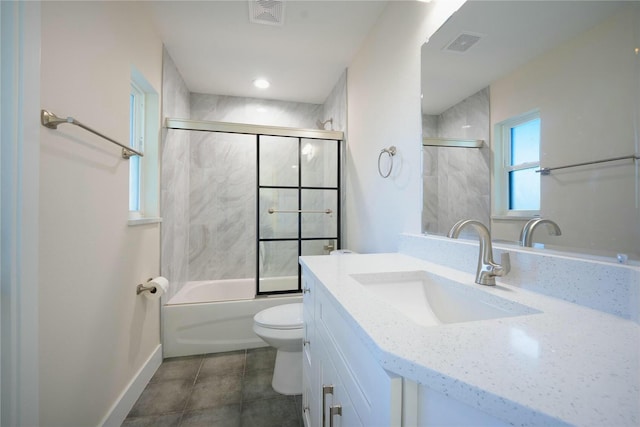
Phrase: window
(144, 123)
(517, 159)
(136, 141)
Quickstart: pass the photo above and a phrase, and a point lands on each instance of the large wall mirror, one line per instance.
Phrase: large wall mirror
(513, 88)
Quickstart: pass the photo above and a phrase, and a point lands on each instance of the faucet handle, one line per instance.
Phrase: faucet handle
(505, 262)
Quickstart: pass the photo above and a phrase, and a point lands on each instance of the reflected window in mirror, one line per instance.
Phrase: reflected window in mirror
(518, 149)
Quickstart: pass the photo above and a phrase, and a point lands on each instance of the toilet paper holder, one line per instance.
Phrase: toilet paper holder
(142, 288)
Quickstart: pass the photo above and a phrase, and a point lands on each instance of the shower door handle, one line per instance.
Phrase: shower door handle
(273, 210)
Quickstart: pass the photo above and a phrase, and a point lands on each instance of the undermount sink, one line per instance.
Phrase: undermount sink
(429, 299)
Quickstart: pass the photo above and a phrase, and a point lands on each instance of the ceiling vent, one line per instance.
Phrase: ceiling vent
(463, 42)
(268, 12)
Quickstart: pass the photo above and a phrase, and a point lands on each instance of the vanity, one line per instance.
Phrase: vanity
(408, 339)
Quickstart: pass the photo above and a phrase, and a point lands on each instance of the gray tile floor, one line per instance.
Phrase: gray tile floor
(216, 390)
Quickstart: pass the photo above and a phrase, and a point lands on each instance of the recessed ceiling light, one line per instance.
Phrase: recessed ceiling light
(261, 83)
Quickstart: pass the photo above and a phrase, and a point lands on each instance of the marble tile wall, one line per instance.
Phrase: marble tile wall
(222, 206)
(335, 107)
(456, 181)
(209, 189)
(222, 195)
(174, 197)
(254, 111)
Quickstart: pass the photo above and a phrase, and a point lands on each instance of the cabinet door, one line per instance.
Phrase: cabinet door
(310, 406)
(310, 395)
(336, 406)
(308, 310)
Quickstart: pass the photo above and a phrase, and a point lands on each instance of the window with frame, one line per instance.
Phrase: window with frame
(144, 172)
(517, 182)
(136, 141)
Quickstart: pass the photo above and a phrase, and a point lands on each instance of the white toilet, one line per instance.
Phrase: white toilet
(282, 327)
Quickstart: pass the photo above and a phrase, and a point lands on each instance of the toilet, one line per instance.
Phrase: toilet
(282, 327)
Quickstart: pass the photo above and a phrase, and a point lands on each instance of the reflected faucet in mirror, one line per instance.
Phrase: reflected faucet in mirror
(526, 235)
(487, 268)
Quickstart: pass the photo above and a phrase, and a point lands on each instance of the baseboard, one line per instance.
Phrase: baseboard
(118, 412)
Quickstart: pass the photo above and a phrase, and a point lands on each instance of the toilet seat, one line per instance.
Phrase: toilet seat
(286, 316)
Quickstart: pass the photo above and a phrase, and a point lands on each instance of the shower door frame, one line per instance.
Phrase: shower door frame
(300, 188)
(277, 131)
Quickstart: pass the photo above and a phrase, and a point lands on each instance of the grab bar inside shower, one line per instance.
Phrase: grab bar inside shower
(272, 211)
(51, 121)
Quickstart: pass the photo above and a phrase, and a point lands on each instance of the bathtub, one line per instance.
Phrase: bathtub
(217, 315)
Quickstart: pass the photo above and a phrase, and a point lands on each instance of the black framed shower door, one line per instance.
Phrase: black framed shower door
(298, 207)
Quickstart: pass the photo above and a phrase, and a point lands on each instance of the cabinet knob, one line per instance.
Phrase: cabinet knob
(306, 290)
(306, 343)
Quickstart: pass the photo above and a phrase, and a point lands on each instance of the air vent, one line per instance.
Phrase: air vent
(463, 42)
(268, 12)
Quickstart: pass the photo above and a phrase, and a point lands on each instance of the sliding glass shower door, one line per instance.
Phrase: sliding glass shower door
(298, 207)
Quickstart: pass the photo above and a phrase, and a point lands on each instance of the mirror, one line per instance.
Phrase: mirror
(574, 63)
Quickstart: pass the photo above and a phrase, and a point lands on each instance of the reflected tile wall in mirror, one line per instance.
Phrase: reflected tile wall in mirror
(456, 181)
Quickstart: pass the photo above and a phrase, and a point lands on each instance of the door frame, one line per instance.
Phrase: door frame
(20, 26)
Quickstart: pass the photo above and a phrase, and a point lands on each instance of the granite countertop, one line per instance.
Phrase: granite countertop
(568, 364)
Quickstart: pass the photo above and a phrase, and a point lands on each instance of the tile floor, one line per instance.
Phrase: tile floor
(216, 390)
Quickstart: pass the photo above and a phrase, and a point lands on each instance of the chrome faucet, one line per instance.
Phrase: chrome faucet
(487, 268)
(526, 235)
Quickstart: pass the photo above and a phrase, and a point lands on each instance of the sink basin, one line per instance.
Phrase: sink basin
(429, 299)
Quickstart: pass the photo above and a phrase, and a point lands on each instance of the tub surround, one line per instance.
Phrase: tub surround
(456, 181)
(570, 364)
(174, 200)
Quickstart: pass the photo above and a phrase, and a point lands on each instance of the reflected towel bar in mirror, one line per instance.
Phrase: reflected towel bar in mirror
(391, 151)
(547, 171)
(453, 142)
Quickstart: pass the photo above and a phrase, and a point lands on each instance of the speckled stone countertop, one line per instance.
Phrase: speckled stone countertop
(568, 365)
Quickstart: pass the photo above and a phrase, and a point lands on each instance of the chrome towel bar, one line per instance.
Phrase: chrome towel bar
(51, 121)
(326, 211)
(547, 171)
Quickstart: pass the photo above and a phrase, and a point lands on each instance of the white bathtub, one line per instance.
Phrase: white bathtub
(217, 316)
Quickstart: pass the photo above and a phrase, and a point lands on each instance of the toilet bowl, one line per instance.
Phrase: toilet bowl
(282, 327)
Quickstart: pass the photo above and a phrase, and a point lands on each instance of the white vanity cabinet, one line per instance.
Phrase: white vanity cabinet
(343, 386)
(339, 371)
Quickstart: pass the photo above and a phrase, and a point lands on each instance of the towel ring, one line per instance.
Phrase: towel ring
(391, 151)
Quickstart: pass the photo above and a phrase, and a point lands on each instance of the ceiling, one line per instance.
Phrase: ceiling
(219, 51)
(513, 32)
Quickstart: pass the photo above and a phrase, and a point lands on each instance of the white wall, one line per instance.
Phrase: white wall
(383, 84)
(95, 333)
(587, 92)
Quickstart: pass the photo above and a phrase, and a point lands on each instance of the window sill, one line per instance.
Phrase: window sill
(144, 221)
